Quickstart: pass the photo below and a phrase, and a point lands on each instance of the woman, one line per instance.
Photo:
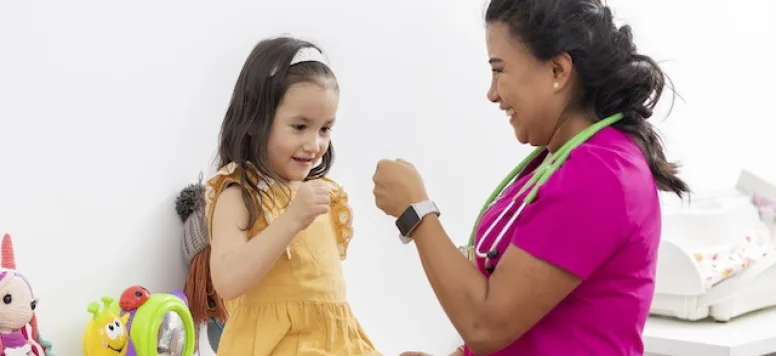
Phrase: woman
(574, 274)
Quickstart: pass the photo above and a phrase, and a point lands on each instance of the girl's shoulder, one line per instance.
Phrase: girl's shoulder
(225, 177)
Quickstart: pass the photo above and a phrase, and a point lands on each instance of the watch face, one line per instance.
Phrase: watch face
(407, 221)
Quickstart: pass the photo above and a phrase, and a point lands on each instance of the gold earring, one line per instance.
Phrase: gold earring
(556, 85)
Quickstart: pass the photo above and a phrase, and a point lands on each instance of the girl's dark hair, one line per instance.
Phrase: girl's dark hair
(613, 76)
(261, 85)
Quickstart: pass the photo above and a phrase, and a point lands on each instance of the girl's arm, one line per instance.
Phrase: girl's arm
(236, 262)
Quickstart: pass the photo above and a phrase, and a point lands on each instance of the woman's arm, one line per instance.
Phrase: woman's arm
(559, 240)
(489, 313)
(236, 262)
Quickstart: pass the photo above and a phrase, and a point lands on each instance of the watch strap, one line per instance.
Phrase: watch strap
(412, 217)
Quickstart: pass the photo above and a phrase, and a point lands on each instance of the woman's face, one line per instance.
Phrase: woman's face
(523, 86)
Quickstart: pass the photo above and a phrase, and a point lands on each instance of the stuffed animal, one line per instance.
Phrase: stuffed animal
(205, 304)
(18, 324)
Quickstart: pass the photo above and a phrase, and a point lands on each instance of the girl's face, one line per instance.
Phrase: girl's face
(301, 131)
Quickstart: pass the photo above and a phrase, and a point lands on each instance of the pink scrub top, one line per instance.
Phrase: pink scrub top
(597, 217)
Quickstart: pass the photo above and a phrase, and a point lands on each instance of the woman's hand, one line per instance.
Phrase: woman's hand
(397, 185)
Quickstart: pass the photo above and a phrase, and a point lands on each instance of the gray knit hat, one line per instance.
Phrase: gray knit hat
(190, 206)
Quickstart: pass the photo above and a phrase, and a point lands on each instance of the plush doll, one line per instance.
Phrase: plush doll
(18, 324)
(205, 304)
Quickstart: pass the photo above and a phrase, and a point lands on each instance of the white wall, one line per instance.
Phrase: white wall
(107, 109)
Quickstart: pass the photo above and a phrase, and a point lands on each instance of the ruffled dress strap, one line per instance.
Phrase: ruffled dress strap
(341, 215)
(224, 178)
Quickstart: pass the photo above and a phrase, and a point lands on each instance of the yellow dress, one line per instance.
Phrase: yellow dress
(299, 307)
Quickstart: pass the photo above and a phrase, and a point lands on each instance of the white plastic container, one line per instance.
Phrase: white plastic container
(717, 221)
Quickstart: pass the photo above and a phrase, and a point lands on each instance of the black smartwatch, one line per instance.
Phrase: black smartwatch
(412, 217)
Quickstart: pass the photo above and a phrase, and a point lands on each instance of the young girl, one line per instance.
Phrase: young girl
(278, 227)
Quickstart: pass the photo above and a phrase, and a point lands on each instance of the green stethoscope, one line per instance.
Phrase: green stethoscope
(542, 173)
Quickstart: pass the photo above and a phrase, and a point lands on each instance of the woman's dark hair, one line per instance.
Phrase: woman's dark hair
(261, 85)
(613, 76)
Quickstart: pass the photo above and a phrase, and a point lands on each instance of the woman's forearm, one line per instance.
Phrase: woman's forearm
(459, 286)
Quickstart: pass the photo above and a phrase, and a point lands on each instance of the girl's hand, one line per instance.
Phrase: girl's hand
(312, 199)
(397, 185)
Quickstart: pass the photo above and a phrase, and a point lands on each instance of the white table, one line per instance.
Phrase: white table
(748, 335)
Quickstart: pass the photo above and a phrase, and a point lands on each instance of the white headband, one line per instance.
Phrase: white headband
(306, 54)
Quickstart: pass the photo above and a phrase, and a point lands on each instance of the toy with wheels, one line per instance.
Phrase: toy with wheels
(148, 324)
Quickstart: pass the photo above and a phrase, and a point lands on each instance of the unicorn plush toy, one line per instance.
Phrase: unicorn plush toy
(18, 324)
